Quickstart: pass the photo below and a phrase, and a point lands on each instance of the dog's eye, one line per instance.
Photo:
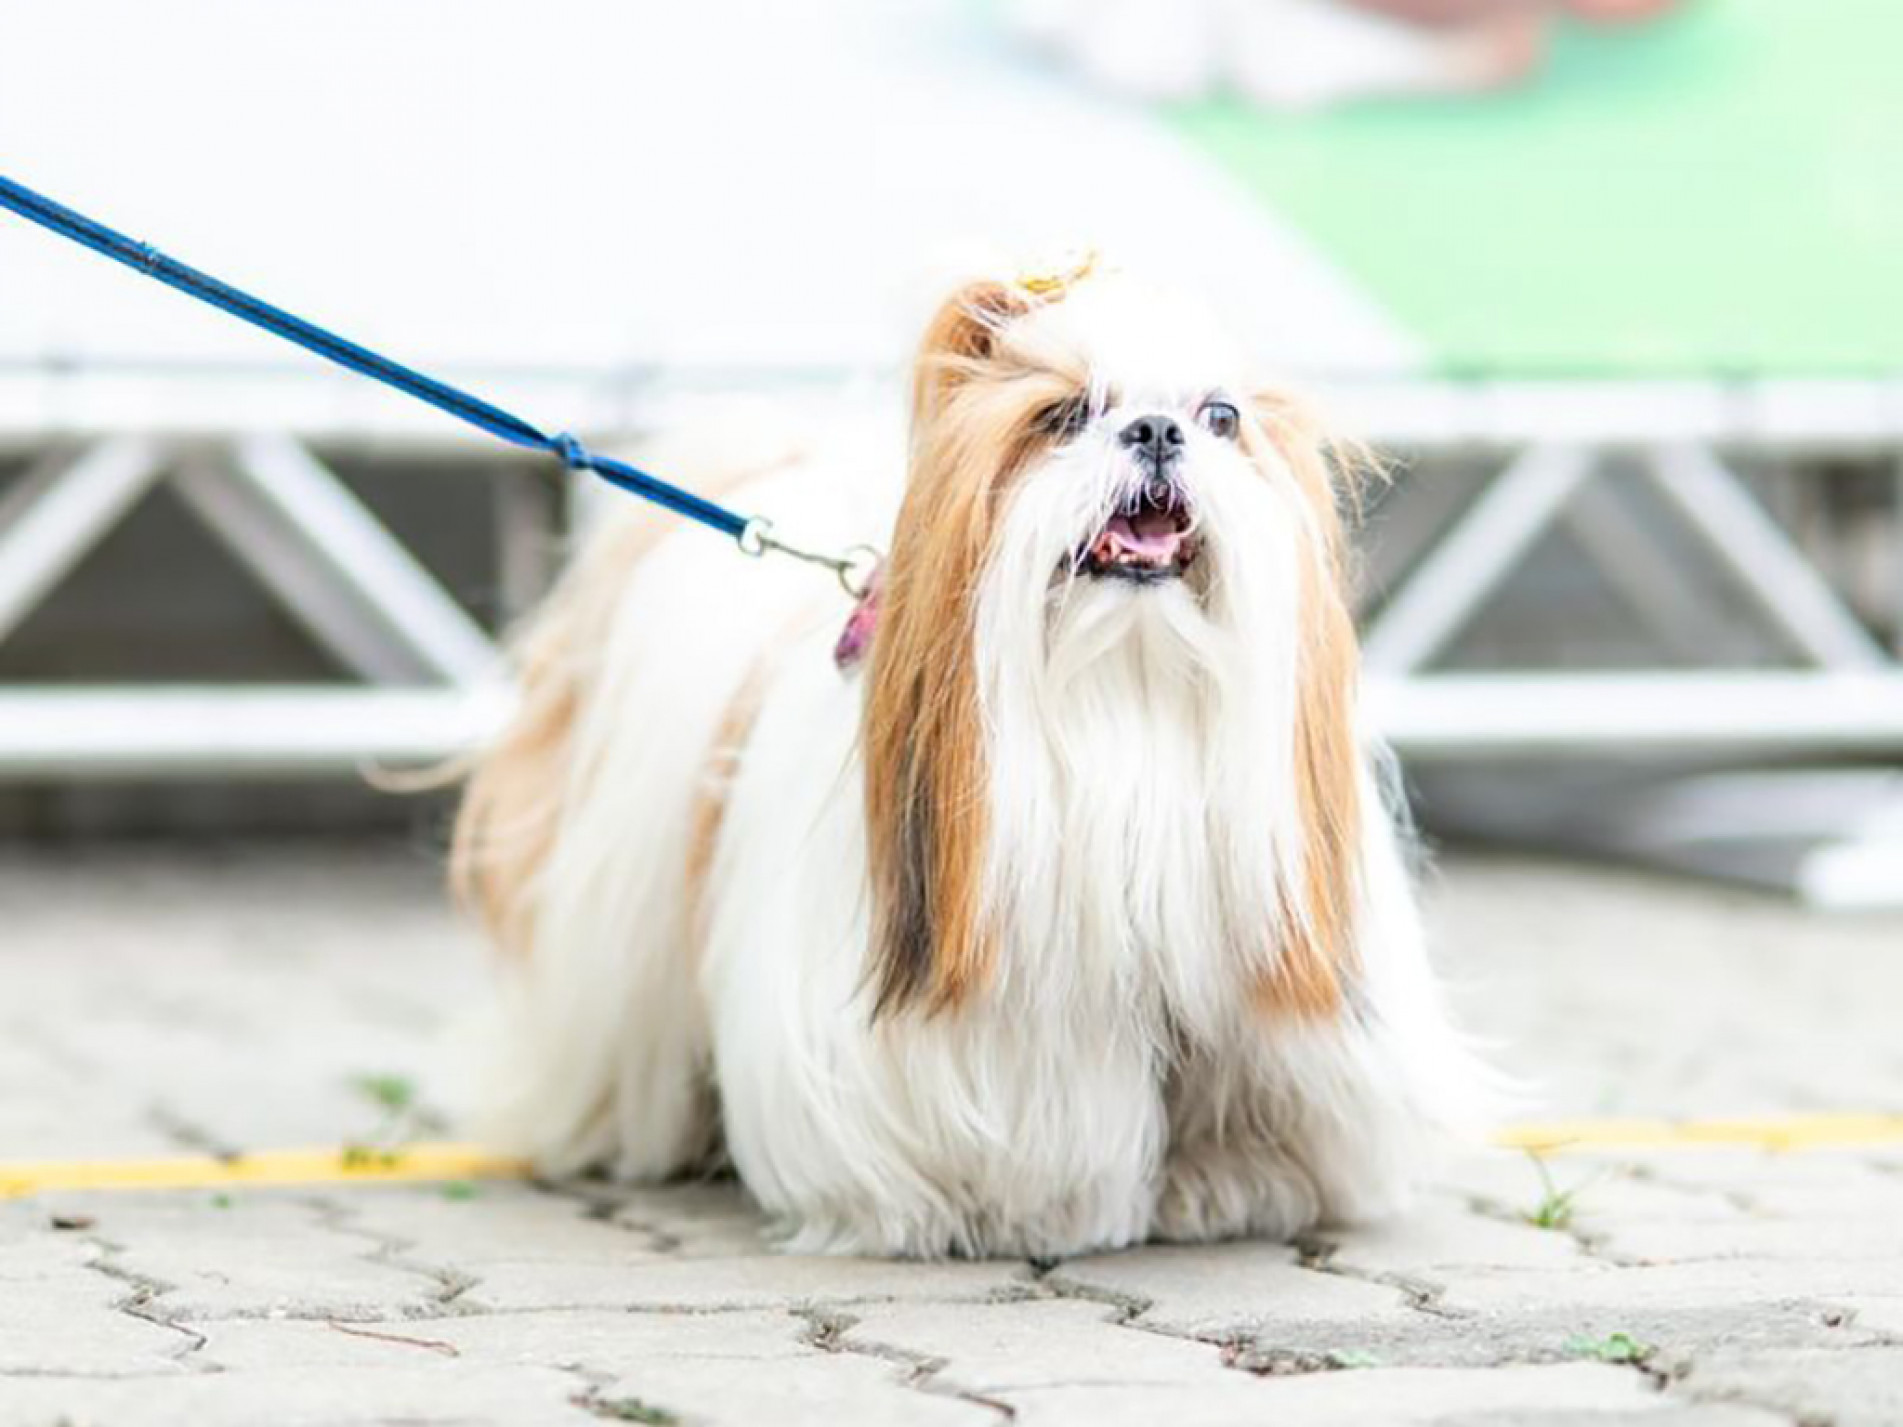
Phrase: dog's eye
(1221, 418)
(1064, 419)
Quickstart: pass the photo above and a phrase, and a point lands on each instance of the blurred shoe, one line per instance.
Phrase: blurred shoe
(1139, 48)
(1290, 54)
(1618, 12)
(1308, 54)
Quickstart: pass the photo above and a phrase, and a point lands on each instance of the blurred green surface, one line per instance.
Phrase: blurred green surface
(1721, 191)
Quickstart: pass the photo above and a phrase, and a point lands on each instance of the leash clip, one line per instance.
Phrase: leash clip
(853, 568)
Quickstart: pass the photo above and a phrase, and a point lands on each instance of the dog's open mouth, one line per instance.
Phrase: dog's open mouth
(1150, 538)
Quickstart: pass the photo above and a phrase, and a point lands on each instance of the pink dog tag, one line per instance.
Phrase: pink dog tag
(856, 637)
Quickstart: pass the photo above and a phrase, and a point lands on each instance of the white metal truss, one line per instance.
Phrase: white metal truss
(1848, 702)
(1471, 559)
(1721, 712)
(331, 563)
(240, 732)
(1474, 558)
(429, 669)
(1753, 547)
(59, 510)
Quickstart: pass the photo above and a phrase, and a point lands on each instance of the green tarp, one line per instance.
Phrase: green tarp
(1718, 193)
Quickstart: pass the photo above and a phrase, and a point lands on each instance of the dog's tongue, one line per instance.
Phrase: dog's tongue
(1150, 534)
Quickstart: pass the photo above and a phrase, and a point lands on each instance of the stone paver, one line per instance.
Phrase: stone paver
(1810, 1385)
(166, 1004)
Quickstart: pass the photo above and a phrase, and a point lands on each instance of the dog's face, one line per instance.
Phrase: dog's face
(1099, 461)
(1094, 487)
(1133, 485)
(1134, 445)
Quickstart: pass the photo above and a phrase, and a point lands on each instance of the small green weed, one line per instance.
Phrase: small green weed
(360, 1156)
(1613, 1348)
(1352, 1358)
(402, 1119)
(393, 1093)
(1555, 1207)
(628, 1409)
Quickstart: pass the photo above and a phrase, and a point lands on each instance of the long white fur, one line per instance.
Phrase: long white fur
(1114, 1080)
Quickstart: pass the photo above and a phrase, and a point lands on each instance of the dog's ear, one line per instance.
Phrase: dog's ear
(961, 338)
(1320, 899)
(925, 803)
(925, 830)
(1332, 470)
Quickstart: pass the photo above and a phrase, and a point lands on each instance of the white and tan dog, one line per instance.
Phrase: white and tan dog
(1071, 916)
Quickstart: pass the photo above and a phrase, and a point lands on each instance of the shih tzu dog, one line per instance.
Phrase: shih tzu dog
(1054, 907)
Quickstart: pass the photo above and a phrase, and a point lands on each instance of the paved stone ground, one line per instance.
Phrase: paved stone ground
(157, 1004)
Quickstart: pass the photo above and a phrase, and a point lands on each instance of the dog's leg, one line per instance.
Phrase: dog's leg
(1229, 1172)
(602, 1055)
(1020, 1123)
(965, 1140)
(1290, 1122)
(1309, 1125)
(601, 1060)
(1385, 1090)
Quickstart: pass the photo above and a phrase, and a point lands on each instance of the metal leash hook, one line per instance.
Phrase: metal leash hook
(854, 567)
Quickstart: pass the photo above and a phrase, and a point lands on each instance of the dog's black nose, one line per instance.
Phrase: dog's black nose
(1158, 439)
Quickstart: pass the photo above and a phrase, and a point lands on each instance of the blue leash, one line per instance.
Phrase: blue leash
(753, 533)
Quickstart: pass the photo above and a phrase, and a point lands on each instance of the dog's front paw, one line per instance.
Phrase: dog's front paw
(1230, 1192)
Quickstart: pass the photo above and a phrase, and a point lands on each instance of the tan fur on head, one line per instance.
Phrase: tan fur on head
(1317, 933)
(975, 405)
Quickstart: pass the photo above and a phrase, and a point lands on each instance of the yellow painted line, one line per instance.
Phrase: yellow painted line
(408, 1165)
(440, 1162)
(1776, 1132)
